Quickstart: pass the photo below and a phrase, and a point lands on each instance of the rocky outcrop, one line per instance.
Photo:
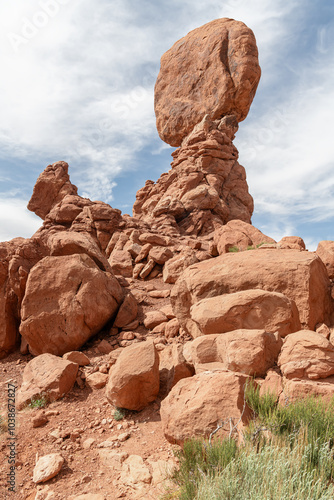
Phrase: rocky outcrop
(68, 299)
(205, 188)
(197, 405)
(214, 70)
(46, 376)
(301, 276)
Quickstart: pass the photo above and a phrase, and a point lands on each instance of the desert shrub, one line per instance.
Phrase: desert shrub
(273, 472)
(287, 453)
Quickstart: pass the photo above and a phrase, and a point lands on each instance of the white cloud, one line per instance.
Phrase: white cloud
(15, 220)
(81, 89)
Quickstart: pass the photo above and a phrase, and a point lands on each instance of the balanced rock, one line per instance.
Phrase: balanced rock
(46, 376)
(307, 354)
(213, 70)
(251, 352)
(301, 276)
(197, 405)
(250, 309)
(134, 380)
(68, 299)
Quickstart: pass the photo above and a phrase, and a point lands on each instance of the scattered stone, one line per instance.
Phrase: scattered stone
(96, 380)
(104, 347)
(77, 357)
(127, 312)
(172, 328)
(39, 419)
(88, 443)
(134, 471)
(47, 467)
(154, 318)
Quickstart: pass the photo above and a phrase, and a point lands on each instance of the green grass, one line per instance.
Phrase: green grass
(233, 249)
(287, 454)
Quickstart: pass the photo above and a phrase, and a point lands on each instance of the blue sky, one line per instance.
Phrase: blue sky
(77, 85)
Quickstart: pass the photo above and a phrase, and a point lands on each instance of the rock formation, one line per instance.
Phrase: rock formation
(185, 301)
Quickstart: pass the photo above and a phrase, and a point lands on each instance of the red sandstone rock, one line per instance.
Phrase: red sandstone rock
(51, 187)
(325, 251)
(77, 357)
(237, 233)
(206, 186)
(127, 312)
(17, 257)
(175, 266)
(196, 405)
(296, 389)
(121, 263)
(154, 318)
(173, 367)
(291, 242)
(48, 376)
(306, 354)
(70, 242)
(68, 299)
(301, 276)
(134, 380)
(250, 309)
(213, 70)
(272, 384)
(251, 352)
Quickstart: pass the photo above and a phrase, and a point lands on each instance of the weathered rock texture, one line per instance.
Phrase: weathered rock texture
(196, 405)
(307, 354)
(251, 352)
(301, 276)
(250, 309)
(68, 299)
(134, 380)
(46, 376)
(325, 250)
(214, 70)
(206, 186)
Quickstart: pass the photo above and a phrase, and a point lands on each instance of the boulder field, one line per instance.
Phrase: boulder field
(186, 300)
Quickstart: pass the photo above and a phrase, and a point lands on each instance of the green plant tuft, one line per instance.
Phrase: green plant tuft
(119, 414)
(233, 249)
(38, 402)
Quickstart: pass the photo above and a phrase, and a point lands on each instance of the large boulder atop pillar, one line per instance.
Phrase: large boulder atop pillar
(214, 70)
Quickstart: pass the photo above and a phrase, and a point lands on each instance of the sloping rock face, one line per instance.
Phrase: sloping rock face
(206, 186)
(68, 299)
(214, 70)
(237, 234)
(301, 276)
